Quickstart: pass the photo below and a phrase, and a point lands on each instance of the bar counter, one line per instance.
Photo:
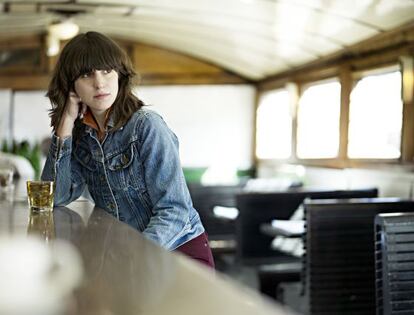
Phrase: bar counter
(123, 273)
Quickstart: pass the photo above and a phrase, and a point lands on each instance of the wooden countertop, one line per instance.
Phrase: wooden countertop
(126, 274)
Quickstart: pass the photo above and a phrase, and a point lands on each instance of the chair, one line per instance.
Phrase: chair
(253, 246)
(394, 263)
(339, 268)
(221, 231)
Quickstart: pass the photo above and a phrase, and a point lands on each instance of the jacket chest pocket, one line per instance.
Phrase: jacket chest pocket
(84, 157)
(125, 170)
(88, 165)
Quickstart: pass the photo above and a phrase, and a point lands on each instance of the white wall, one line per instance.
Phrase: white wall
(214, 123)
(31, 120)
(391, 182)
(5, 98)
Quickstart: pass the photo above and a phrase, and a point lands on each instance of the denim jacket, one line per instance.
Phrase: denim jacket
(134, 174)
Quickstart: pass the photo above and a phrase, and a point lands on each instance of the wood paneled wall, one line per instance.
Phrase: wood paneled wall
(160, 66)
(155, 66)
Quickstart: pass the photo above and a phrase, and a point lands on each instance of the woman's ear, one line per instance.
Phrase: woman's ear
(82, 110)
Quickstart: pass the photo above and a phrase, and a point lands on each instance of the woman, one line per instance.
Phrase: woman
(124, 154)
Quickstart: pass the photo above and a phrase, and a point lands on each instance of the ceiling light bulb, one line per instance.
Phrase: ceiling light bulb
(64, 30)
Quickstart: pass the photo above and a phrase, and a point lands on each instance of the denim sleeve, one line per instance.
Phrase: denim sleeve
(165, 182)
(65, 171)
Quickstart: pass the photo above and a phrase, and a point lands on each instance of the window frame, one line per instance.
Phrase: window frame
(348, 75)
(259, 96)
(357, 76)
(303, 87)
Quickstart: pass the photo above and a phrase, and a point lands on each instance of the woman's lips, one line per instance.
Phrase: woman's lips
(101, 96)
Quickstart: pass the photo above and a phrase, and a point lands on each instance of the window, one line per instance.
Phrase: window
(318, 121)
(274, 126)
(375, 117)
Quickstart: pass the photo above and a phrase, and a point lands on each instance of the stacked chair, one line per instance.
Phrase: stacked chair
(394, 262)
(254, 248)
(339, 268)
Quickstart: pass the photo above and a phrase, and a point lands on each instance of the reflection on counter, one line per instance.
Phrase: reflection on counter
(126, 275)
(42, 224)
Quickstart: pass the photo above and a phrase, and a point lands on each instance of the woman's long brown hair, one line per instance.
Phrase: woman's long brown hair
(83, 54)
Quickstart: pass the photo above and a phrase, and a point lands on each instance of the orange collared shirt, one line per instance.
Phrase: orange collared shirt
(89, 120)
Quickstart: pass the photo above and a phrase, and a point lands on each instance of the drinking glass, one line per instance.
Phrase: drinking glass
(6, 183)
(40, 195)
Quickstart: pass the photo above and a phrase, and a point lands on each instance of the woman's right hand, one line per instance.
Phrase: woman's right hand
(74, 108)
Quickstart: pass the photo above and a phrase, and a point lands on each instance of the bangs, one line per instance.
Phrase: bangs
(91, 53)
(83, 54)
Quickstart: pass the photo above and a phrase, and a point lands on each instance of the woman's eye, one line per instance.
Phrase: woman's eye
(86, 75)
(107, 71)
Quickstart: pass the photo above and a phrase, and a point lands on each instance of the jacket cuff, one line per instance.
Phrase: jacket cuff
(61, 147)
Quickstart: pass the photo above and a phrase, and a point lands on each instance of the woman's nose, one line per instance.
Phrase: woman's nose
(99, 80)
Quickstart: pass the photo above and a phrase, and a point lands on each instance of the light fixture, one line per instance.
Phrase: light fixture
(64, 30)
(59, 31)
(53, 45)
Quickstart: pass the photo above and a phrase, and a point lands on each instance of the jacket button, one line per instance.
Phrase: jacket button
(124, 159)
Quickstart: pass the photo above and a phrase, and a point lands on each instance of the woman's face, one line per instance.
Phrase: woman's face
(98, 89)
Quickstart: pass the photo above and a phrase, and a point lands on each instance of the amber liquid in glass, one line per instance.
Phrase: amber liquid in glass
(40, 195)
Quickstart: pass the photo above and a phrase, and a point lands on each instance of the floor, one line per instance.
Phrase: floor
(247, 276)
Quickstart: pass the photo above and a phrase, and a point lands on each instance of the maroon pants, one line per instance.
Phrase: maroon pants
(199, 250)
